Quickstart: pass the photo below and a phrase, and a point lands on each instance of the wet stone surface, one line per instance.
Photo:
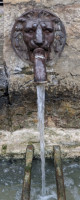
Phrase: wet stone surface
(11, 179)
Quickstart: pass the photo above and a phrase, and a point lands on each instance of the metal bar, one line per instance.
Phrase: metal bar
(27, 175)
(59, 173)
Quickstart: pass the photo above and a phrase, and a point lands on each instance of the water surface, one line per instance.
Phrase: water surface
(71, 170)
(11, 179)
(12, 173)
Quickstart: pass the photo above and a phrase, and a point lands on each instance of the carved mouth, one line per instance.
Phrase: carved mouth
(38, 48)
(40, 52)
(34, 46)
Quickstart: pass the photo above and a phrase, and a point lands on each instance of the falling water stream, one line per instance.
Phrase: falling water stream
(41, 106)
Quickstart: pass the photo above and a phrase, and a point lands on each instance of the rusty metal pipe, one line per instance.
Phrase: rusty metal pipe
(40, 75)
(59, 173)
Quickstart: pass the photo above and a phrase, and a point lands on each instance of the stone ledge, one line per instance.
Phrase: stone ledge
(15, 143)
(43, 2)
(15, 1)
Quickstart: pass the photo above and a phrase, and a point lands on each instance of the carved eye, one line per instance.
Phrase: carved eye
(29, 31)
(48, 30)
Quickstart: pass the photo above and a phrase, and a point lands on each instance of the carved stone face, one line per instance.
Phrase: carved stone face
(38, 29)
(38, 34)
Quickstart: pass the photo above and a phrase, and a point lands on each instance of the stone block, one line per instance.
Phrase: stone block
(17, 141)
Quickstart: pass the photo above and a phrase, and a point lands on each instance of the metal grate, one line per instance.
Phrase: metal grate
(1, 2)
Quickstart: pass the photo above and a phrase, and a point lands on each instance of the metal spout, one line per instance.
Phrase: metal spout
(40, 75)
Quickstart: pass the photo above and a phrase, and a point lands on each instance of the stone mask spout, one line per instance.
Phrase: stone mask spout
(38, 35)
(35, 36)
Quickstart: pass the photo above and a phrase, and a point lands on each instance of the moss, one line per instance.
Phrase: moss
(4, 147)
(30, 143)
(29, 113)
(28, 168)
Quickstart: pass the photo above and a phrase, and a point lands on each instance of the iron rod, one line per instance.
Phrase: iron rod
(27, 175)
(59, 173)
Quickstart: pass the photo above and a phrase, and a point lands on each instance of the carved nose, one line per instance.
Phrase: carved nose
(39, 36)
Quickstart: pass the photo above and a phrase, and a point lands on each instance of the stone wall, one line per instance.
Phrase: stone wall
(18, 101)
(3, 77)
